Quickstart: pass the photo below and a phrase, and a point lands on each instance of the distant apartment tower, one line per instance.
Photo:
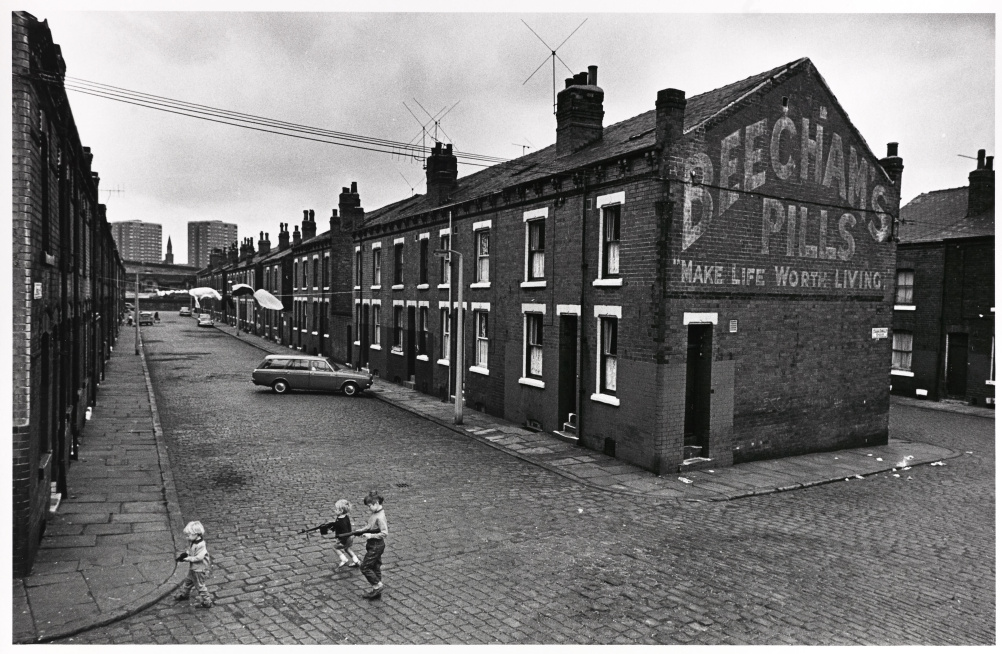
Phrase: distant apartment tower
(138, 241)
(205, 235)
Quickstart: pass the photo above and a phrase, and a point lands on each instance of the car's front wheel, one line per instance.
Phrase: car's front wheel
(281, 387)
(351, 389)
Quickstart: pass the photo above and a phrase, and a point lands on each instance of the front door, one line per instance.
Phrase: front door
(567, 368)
(697, 390)
(363, 338)
(956, 365)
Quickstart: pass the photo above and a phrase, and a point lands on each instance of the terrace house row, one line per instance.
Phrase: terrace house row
(708, 282)
(308, 272)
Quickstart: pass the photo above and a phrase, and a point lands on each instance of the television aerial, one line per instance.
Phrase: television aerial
(435, 120)
(553, 60)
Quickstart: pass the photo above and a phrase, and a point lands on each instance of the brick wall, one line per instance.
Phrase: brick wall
(925, 322)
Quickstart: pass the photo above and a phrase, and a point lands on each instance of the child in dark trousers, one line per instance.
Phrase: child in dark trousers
(201, 564)
(342, 530)
(375, 543)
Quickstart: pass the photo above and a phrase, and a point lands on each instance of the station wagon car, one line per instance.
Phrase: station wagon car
(300, 372)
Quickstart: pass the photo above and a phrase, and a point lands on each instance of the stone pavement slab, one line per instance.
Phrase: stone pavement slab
(108, 551)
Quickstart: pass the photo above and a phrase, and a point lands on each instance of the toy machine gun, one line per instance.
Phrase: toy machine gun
(327, 527)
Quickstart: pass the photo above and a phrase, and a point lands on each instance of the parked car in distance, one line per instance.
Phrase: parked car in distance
(145, 318)
(185, 311)
(205, 321)
(300, 372)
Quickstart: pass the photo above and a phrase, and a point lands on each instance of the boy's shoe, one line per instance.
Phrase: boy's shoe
(372, 593)
(180, 598)
(205, 603)
(342, 564)
(353, 564)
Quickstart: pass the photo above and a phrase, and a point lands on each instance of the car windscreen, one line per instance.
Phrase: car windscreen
(333, 365)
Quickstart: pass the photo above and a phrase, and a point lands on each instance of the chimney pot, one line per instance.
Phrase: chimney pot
(592, 75)
(344, 189)
(988, 162)
(981, 159)
(568, 82)
(354, 187)
(892, 149)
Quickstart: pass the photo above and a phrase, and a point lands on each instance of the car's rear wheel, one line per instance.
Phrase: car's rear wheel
(351, 389)
(281, 387)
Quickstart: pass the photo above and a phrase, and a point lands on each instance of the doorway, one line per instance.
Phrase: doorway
(698, 363)
(411, 344)
(567, 367)
(956, 365)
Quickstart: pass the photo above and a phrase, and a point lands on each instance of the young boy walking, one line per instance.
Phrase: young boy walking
(342, 530)
(375, 543)
(198, 556)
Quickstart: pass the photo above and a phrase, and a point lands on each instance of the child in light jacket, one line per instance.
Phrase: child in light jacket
(197, 555)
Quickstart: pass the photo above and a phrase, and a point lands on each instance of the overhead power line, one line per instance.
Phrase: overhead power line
(257, 123)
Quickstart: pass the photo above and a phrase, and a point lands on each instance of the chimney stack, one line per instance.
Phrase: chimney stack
(296, 236)
(441, 174)
(309, 225)
(579, 112)
(981, 186)
(350, 208)
(263, 244)
(283, 236)
(216, 258)
(892, 164)
(232, 254)
(668, 124)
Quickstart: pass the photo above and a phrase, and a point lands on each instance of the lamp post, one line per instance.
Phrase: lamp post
(460, 345)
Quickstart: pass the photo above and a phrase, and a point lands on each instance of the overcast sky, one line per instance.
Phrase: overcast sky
(925, 81)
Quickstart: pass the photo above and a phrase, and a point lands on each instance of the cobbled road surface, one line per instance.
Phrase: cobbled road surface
(486, 548)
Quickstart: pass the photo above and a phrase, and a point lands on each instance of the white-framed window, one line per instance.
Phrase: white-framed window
(316, 273)
(905, 291)
(901, 350)
(445, 268)
(535, 247)
(423, 330)
(610, 214)
(482, 239)
(398, 327)
(532, 345)
(446, 334)
(377, 266)
(327, 271)
(607, 354)
(358, 267)
(423, 259)
(295, 274)
(305, 275)
(376, 324)
(398, 264)
(482, 339)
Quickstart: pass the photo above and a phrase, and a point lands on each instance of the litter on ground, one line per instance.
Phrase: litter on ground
(937, 463)
(684, 480)
(879, 459)
(897, 475)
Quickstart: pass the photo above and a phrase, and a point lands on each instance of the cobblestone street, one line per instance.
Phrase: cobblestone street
(487, 548)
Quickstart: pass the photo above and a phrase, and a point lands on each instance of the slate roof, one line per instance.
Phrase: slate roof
(631, 135)
(941, 215)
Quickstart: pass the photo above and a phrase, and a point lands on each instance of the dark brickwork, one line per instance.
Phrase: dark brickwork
(801, 372)
(66, 283)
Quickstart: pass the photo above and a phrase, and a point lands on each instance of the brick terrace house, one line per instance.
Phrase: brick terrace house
(67, 284)
(696, 285)
(944, 311)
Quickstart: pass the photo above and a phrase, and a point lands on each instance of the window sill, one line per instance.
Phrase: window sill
(421, 357)
(902, 373)
(397, 287)
(605, 399)
(357, 288)
(480, 285)
(443, 362)
(375, 347)
(990, 382)
(313, 333)
(356, 343)
(529, 381)
(534, 284)
(397, 351)
(422, 287)
(479, 370)
(444, 286)
(618, 281)
(377, 287)
(904, 307)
